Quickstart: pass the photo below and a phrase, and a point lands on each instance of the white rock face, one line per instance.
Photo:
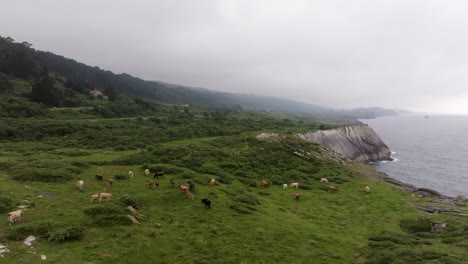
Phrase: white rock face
(359, 143)
(28, 241)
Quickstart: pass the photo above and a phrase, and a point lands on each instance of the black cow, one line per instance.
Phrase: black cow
(158, 173)
(192, 186)
(206, 202)
(98, 177)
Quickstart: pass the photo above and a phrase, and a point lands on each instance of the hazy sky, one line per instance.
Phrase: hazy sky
(341, 54)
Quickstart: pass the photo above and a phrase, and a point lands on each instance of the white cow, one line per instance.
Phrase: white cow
(80, 185)
(294, 185)
(12, 216)
(367, 189)
(130, 174)
(147, 172)
(285, 186)
(105, 195)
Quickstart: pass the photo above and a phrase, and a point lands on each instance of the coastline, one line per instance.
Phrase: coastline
(438, 203)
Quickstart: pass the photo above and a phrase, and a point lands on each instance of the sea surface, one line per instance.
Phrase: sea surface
(429, 152)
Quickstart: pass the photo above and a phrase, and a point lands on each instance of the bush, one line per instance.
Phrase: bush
(242, 208)
(187, 175)
(422, 224)
(169, 169)
(247, 199)
(111, 220)
(104, 210)
(5, 204)
(120, 177)
(66, 234)
(131, 200)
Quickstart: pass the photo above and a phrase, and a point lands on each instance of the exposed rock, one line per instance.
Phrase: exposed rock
(437, 227)
(28, 241)
(3, 249)
(359, 143)
(267, 135)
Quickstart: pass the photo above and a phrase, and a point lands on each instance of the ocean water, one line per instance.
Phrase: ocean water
(429, 152)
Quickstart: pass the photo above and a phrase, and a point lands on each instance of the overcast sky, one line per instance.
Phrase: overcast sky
(341, 54)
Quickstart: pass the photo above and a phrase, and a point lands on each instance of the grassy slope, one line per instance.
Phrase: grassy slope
(320, 228)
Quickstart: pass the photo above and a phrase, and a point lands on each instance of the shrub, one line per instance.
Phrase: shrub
(104, 210)
(5, 204)
(110, 220)
(433, 255)
(131, 200)
(422, 224)
(242, 208)
(120, 177)
(247, 199)
(41, 229)
(163, 167)
(66, 234)
(187, 175)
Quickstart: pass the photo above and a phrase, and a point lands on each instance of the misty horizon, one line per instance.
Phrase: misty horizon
(397, 55)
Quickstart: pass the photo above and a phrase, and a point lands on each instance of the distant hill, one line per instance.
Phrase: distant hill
(22, 61)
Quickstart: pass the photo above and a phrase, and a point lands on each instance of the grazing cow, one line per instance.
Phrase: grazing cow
(367, 189)
(80, 185)
(265, 184)
(296, 195)
(285, 186)
(190, 195)
(324, 180)
(172, 183)
(94, 197)
(130, 174)
(158, 174)
(212, 182)
(153, 184)
(107, 188)
(105, 195)
(98, 177)
(147, 172)
(192, 186)
(183, 188)
(206, 202)
(13, 216)
(332, 188)
(294, 185)
(110, 182)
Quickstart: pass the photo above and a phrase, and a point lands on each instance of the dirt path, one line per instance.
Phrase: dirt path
(45, 207)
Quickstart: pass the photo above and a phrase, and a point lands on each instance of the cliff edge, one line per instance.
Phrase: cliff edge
(359, 143)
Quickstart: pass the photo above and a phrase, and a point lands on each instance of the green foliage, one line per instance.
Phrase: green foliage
(120, 177)
(104, 210)
(66, 234)
(421, 224)
(5, 204)
(129, 199)
(247, 199)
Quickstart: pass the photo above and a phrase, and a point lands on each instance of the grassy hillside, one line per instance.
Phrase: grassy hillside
(244, 225)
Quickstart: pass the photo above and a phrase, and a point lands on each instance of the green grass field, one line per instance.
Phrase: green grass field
(244, 225)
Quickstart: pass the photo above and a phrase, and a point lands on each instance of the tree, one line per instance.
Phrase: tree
(111, 93)
(5, 84)
(43, 90)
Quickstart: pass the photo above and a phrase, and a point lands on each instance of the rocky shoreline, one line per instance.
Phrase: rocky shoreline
(436, 202)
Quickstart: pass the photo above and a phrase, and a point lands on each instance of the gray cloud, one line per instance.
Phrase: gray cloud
(341, 54)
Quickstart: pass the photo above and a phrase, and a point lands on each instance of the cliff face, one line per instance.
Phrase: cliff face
(359, 143)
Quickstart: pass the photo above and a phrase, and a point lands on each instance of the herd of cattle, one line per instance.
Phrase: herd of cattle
(189, 190)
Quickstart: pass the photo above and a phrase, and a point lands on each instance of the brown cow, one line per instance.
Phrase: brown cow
(296, 195)
(332, 188)
(266, 184)
(172, 183)
(183, 188)
(153, 184)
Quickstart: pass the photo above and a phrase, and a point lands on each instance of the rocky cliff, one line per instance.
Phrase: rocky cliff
(359, 143)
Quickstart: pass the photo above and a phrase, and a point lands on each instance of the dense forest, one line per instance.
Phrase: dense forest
(59, 81)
